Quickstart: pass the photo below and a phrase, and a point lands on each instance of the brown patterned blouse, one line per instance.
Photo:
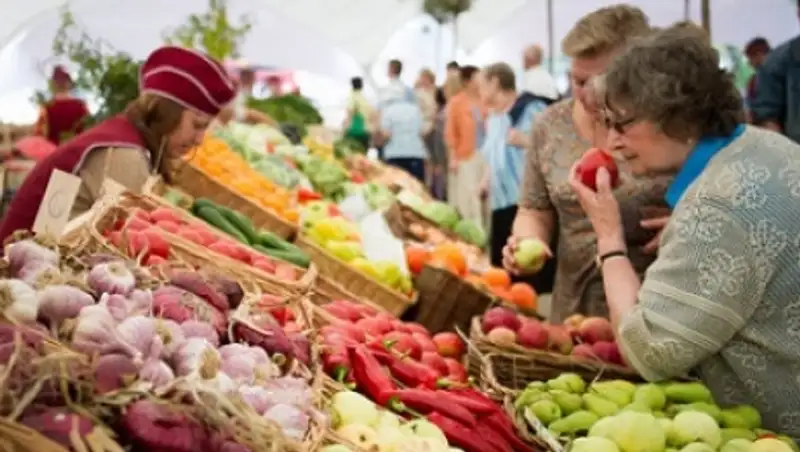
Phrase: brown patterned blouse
(556, 146)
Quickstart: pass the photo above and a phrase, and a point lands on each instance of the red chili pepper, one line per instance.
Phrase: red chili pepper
(460, 435)
(425, 401)
(370, 376)
(479, 407)
(305, 195)
(411, 373)
(492, 437)
(500, 422)
(336, 364)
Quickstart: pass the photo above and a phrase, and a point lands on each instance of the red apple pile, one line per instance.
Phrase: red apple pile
(364, 324)
(579, 336)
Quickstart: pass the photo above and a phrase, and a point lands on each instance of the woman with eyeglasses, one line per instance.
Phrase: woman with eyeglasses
(548, 208)
(722, 297)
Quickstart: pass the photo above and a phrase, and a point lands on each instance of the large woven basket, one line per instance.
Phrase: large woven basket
(446, 301)
(510, 368)
(353, 280)
(195, 182)
(109, 211)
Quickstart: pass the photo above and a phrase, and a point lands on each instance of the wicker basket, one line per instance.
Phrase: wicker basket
(198, 184)
(509, 369)
(355, 281)
(447, 301)
(110, 211)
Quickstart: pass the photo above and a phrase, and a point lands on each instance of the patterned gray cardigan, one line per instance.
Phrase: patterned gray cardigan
(723, 297)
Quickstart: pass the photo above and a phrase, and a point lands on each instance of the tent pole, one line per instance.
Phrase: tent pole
(551, 45)
(706, 15)
(687, 7)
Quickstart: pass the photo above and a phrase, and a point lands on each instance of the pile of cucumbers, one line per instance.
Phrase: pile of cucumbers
(241, 228)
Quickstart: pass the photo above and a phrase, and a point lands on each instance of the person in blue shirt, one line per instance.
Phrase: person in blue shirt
(401, 132)
(508, 128)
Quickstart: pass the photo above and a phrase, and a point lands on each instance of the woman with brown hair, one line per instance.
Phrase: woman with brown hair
(548, 208)
(182, 91)
(63, 116)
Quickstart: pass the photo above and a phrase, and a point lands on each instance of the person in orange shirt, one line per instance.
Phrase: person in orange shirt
(464, 131)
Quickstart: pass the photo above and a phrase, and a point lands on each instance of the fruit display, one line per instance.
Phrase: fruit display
(362, 423)
(619, 416)
(400, 366)
(447, 218)
(587, 339)
(164, 364)
(142, 235)
(225, 166)
(324, 226)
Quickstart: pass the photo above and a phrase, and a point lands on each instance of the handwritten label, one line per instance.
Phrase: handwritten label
(542, 431)
(59, 197)
(111, 187)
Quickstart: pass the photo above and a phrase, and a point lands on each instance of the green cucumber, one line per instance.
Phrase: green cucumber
(272, 241)
(203, 202)
(240, 222)
(293, 257)
(215, 218)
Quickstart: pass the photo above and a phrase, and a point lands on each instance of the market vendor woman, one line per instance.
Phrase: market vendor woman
(181, 93)
(721, 300)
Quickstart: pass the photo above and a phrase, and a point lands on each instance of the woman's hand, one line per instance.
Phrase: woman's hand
(510, 261)
(602, 210)
(654, 224)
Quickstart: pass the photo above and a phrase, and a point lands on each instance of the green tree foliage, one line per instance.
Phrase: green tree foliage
(112, 76)
(212, 32)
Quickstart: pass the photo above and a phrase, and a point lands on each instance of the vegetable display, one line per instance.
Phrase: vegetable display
(142, 235)
(399, 365)
(131, 337)
(216, 159)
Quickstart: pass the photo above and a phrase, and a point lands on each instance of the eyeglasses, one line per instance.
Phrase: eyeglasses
(618, 125)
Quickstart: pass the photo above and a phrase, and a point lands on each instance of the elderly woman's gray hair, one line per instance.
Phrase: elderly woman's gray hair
(673, 79)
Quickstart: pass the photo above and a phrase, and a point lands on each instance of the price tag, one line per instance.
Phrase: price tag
(542, 432)
(111, 187)
(59, 197)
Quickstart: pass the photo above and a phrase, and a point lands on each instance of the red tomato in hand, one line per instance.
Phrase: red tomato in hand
(592, 160)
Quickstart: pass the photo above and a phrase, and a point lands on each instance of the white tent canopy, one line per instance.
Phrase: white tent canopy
(342, 38)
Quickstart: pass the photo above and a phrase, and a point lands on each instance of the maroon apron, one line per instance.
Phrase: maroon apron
(115, 132)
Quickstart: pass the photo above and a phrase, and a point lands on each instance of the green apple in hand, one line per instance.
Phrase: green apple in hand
(531, 254)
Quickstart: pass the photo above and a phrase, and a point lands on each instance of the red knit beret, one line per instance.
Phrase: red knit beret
(188, 77)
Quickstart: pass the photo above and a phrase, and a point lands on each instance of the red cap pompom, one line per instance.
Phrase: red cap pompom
(188, 77)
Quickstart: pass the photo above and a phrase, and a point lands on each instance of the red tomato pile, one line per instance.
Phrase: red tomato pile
(144, 233)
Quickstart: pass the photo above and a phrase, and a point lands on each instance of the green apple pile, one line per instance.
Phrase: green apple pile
(361, 422)
(620, 416)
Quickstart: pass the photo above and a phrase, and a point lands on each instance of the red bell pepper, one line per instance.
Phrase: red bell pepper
(460, 435)
(370, 376)
(500, 423)
(305, 195)
(425, 401)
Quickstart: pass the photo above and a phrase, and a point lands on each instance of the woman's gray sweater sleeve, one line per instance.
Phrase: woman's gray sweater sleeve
(706, 283)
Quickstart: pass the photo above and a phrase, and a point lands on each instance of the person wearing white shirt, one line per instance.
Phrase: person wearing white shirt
(537, 80)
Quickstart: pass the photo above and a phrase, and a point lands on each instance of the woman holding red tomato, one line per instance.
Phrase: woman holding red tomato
(548, 208)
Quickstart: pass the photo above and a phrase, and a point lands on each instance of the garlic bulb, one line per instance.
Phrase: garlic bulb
(190, 356)
(111, 277)
(156, 372)
(18, 301)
